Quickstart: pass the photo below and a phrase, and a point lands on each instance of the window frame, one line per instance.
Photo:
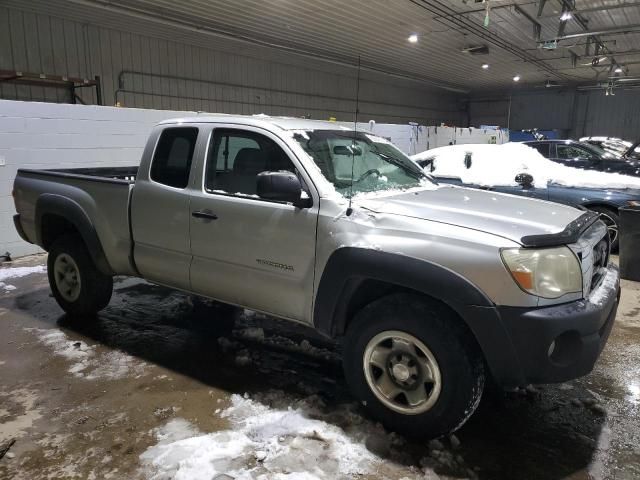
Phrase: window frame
(192, 164)
(305, 179)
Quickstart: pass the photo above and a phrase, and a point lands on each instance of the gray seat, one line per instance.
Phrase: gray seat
(249, 162)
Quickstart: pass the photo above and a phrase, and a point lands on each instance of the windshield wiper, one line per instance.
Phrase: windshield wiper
(398, 163)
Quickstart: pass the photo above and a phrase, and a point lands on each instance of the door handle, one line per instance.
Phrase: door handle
(204, 214)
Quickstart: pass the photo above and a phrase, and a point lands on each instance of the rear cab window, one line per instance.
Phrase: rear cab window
(171, 163)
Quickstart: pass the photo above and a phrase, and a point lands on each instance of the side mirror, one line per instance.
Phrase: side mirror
(524, 179)
(283, 187)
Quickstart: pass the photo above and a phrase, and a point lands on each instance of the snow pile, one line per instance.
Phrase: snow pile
(261, 443)
(17, 272)
(499, 165)
(602, 291)
(86, 361)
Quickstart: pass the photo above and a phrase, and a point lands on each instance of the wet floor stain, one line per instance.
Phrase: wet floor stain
(87, 397)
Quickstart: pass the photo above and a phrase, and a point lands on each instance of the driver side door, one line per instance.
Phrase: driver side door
(247, 250)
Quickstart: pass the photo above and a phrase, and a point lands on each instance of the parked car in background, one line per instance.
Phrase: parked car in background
(517, 169)
(586, 156)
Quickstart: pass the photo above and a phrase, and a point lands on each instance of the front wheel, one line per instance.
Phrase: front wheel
(413, 365)
(77, 284)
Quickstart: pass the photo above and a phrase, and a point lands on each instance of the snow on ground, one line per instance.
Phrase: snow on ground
(86, 361)
(261, 442)
(7, 273)
(499, 165)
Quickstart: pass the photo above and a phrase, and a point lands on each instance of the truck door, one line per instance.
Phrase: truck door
(247, 250)
(160, 209)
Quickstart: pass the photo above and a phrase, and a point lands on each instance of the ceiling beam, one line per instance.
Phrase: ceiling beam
(590, 10)
(605, 31)
(541, 5)
(537, 27)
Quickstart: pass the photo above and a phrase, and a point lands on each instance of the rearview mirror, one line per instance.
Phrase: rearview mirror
(282, 187)
(347, 150)
(524, 179)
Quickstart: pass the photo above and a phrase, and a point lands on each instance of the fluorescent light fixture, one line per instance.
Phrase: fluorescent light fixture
(485, 65)
(413, 38)
(618, 70)
(565, 16)
(516, 78)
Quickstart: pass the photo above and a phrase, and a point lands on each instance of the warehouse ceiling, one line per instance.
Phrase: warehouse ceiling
(545, 44)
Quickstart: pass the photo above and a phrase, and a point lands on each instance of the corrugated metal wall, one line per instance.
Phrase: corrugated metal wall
(614, 116)
(575, 113)
(147, 72)
(542, 109)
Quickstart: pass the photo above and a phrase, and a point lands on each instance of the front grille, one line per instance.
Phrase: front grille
(600, 260)
(592, 250)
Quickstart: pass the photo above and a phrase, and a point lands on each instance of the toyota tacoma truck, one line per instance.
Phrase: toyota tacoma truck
(432, 289)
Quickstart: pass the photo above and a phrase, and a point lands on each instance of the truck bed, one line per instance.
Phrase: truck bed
(126, 174)
(103, 193)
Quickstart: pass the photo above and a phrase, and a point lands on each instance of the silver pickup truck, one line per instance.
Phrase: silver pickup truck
(432, 289)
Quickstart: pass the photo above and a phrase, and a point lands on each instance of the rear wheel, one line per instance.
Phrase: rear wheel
(612, 220)
(413, 366)
(77, 285)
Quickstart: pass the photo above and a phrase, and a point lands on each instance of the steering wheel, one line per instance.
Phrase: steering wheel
(367, 173)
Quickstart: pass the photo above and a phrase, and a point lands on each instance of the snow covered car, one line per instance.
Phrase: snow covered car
(518, 169)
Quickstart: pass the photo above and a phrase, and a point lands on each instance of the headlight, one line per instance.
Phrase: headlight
(633, 203)
(545, 272)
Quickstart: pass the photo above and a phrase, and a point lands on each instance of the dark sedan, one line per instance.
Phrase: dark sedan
(586, 156)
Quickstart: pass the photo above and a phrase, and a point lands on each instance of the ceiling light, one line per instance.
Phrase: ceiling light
(485, 65)
(516, 78)
(618, 70)
(413, 38)
(565, 16)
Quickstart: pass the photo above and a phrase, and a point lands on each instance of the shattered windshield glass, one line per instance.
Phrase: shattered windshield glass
(373, 163)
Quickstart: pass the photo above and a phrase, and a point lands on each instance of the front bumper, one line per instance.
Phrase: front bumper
(552, 344)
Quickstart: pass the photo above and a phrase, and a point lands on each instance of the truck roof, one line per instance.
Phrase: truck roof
(283, 123)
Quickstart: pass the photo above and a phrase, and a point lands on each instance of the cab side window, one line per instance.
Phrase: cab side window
(570, 151)
(236, 157)
(171, 162)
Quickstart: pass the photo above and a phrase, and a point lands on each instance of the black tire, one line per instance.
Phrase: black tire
(458, 358)
(95, 288)
(612, 219)
(215, 318)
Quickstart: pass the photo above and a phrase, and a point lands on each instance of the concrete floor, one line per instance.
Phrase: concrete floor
(147, 391)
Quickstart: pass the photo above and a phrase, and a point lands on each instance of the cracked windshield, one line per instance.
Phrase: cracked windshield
(373, 162)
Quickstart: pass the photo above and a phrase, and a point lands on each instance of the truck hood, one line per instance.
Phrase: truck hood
(507, 216)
